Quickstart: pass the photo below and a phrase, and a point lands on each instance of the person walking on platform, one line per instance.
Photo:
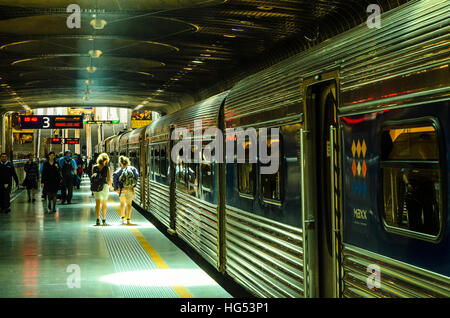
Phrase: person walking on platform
(31, 180)
(41, 167)
(91, 164)
(7, 173)
(68, 168)
(100, 185)
(124, 181)
(51, 180)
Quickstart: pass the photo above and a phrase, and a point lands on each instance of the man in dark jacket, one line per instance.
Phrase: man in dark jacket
(7, 173)
(68, 168)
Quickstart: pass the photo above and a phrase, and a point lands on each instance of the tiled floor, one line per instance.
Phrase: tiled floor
(63, 254)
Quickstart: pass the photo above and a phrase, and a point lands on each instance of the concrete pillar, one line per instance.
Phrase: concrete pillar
(77, 147)
(3, 133)
(88, 140)
(9, 136)
(37, 142)
(65, 133)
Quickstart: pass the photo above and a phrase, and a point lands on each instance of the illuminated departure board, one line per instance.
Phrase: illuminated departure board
(50, 122)
(68, 122)
(55, 141)
(71, 141)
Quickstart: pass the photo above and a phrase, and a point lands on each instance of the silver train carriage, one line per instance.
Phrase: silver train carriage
(359, 204)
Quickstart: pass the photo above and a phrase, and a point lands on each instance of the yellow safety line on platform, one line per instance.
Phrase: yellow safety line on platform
(181, 291)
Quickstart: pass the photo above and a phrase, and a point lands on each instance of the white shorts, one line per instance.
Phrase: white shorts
(102, 195)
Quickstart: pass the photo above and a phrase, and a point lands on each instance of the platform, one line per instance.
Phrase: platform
(64, 254)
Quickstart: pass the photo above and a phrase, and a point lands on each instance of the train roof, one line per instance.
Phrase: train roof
(136, 135)
(206, 110)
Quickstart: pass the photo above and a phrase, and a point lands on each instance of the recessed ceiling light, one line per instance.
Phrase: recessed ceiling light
(95, 53)
(265, 8)
(98, 24)
(197, 62)
(188, 69)
(91, 69)
(229, 35)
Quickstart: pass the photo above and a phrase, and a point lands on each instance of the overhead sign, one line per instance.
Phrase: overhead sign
(68, 122)
(101, 122)
(50, 122)
(71, 141)
(55, 141)
(140, 118)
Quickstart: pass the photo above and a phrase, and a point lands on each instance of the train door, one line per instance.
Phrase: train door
(320, 186)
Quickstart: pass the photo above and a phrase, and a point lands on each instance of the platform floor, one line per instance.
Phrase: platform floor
(64, 254)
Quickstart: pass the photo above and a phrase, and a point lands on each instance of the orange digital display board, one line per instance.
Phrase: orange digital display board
(55, 141)
(71, 141)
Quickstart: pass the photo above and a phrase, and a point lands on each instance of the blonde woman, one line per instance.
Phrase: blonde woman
(100, 185)
(125, 180)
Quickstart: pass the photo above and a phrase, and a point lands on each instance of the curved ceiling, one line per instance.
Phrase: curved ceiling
(160, 54)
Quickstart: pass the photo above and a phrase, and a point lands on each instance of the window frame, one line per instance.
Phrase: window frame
(420, 164)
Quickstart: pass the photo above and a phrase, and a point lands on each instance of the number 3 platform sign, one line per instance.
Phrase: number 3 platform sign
(50, 122)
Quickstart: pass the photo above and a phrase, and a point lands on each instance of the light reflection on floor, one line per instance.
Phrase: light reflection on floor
(160, 277)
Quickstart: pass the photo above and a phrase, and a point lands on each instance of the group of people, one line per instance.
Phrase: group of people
(59, 173)
(123, 181)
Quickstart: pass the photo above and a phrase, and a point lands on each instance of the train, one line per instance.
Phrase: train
(359, 205)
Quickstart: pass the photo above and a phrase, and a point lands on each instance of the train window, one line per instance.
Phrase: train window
(180, 171)
(150, 162)
(411, 180)
(192, 173)
(271, 183)
(207, 173)
(157, 160)
(246, 173)
(163, 161)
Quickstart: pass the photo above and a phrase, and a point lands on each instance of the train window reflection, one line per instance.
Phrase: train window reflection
(246, 173)
(412, 143)
(207, 174)
(192, 173)
(411, 180)
(157, 160)
(180, 172)
(163, 161)
(271, 183)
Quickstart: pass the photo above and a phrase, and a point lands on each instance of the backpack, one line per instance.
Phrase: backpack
(67, 168)
(98, 179)
(127, 179)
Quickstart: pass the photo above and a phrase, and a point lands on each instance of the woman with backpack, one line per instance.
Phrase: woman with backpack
(32, 175)
(100, 185)
(124, 182)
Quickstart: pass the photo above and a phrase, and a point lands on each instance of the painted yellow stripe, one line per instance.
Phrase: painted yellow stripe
(181, 291)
